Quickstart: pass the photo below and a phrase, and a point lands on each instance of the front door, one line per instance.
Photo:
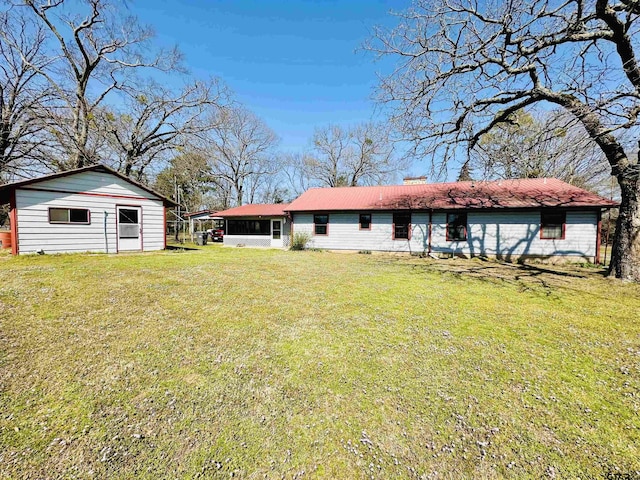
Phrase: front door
(129, 228)
(276, 233)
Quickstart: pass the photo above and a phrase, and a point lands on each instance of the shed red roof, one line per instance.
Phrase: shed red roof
(521, 193)
(256, 210)
(6, 189)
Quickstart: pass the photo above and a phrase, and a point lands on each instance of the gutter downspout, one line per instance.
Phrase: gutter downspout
(598, 233)
(106, 241)
(290, 229)
(430, 223)
(164, 225)
(13, 218)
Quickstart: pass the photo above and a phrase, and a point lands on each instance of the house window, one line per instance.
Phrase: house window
(320, 224)
(456, 227)
(552, 225)
(401, 226)
(249, 227)
(69, 215)
(365, 221)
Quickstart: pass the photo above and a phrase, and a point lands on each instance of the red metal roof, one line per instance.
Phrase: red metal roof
(521, 193)
(256, 210)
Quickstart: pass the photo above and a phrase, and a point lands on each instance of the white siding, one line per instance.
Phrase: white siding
(36, 233)
(513, 234)
(94, 182)
(344, 232)
(506, 234)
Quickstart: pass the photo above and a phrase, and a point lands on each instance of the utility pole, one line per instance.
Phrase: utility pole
(177, 197)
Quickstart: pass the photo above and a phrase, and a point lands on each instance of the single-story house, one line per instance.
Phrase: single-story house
(508, 219)
(257, 225)
(90, 209)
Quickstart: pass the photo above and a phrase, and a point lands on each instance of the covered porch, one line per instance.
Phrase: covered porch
(265, 225)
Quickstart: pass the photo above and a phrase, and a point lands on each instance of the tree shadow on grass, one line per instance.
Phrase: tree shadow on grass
(541, 278)
(181, 248)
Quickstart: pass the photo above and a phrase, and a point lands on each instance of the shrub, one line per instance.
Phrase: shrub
(300, 241)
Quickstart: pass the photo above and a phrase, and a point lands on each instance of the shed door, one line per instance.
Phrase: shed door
(129, 228)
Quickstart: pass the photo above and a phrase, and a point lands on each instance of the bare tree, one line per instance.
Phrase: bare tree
(23, 91)
(348, 157)
(540, 144)
(373, 160)
(240, 148)
(325, 165)
(156, 122)
(465, 67)
(260, 185)
(222, 193)
(98, 52)
(293, 175)
(272, 190)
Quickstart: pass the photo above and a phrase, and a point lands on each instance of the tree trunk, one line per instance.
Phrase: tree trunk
(80, 130)
(239, 194)
(625, 256)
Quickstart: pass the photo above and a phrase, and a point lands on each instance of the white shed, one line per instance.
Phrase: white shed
(90, 209)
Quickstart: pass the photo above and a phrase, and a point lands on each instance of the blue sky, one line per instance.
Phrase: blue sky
(295, 64)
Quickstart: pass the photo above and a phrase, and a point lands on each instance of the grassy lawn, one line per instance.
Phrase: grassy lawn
(271, 364)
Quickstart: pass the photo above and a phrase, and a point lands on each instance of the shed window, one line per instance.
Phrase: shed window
(249, 227)
(401, 226)
(69, 215)
(321, 224)
(552, 225)
(456, 227)
(365, 221)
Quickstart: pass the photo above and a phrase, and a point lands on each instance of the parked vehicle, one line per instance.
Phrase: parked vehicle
(216, 234)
